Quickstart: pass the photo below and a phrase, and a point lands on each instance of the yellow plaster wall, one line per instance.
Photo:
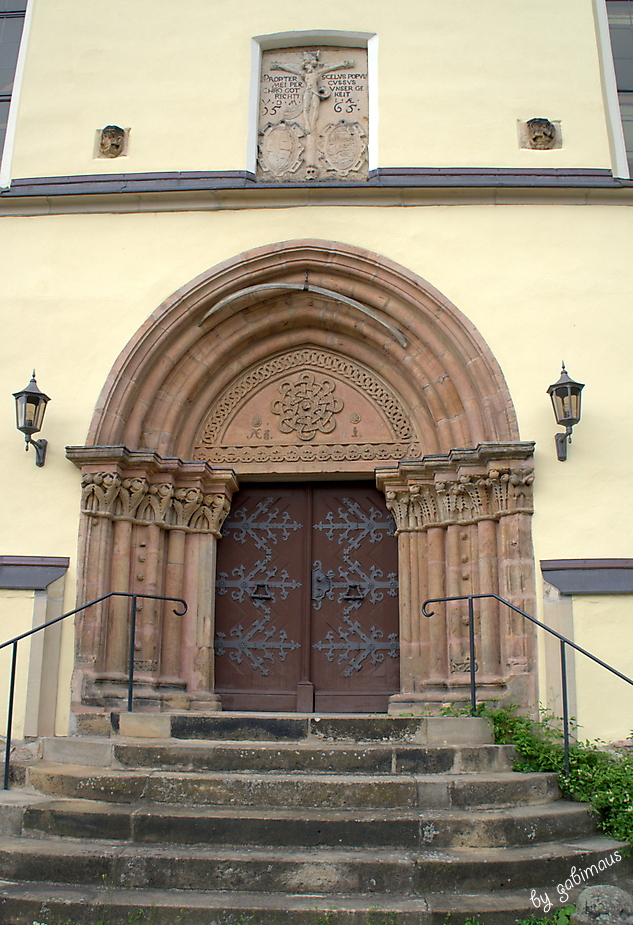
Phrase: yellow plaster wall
(16, 616)
(454, 79)
(604, 626)
(538, 281)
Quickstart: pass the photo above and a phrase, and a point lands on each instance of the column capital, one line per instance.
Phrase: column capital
(143, 488)
(464, 486)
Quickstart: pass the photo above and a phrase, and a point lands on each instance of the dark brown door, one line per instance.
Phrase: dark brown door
(307, 606)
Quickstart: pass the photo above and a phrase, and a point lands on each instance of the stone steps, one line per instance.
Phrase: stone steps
(21, 904)
(155, 823)
(328, 791)
(298, 820)
(300, 758)
(300, 870)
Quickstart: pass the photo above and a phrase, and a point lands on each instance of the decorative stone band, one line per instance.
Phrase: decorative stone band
(318, 452)
(466, 486)
(142, 488)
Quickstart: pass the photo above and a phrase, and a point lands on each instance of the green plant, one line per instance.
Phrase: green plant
(559, 917)
(596, 776)
(474, 921)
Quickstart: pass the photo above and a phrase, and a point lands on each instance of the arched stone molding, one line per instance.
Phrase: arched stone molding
(388, 371)
(162, 387)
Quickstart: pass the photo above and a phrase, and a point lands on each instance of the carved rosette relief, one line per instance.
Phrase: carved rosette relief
(307, 405)
(284, 411)
(313, 114)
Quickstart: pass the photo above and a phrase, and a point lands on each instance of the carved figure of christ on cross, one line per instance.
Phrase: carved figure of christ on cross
(311, 73)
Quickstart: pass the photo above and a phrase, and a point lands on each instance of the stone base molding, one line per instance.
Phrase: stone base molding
(150, 525)
(463, 526)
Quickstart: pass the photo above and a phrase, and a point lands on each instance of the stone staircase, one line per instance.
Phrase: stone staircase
(230, 819)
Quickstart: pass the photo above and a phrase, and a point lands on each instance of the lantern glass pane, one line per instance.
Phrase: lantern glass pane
(567, 405)
(29, 412)
(558, 401)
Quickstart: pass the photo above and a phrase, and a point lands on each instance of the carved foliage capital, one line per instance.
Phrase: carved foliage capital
(441, 498)
(194, 507)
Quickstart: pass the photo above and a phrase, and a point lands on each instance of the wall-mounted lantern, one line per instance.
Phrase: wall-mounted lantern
(30, 405)
(565, 395)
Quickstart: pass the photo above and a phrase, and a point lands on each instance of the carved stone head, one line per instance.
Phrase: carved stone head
(112, 141)
(310, 59)
(541, 134)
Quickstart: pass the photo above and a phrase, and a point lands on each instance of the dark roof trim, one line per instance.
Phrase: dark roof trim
(549, 564)
(589, 576)
(386, 178)
(31, 573)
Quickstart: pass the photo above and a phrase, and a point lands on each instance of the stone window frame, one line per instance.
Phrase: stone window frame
(280, 40)
(14, 10)
(619, 19)
(619, 159)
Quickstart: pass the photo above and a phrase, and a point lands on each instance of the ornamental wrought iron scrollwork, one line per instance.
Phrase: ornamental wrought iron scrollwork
(355, 645)
(353, 585)
(264, 526)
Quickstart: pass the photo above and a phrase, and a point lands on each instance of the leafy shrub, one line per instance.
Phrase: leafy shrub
(596, 776)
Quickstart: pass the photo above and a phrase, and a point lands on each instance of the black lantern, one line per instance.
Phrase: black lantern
(30, 405)
(565, 395)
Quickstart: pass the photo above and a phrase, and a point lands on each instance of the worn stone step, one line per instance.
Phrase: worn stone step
(301, 827)
(23, 903)
(280, 727)
(335, 757)
(305, 870)
(329, 791)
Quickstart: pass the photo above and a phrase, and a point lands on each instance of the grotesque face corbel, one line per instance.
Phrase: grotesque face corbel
(112, 141)
(541, 134)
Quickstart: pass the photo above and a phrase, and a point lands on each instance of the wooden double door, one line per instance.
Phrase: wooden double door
(307, 600)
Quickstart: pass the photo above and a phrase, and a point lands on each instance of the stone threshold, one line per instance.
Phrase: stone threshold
(293, 727)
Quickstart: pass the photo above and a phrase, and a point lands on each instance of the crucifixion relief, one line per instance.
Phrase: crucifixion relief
(313, 115)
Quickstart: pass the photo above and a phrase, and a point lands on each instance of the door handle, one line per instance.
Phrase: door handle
(321, 583)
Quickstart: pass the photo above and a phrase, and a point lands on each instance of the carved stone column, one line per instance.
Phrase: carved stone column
(148, 526)
(463, 522)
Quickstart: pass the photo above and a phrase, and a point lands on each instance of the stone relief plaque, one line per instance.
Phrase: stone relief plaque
(313, 114)
(302, 409)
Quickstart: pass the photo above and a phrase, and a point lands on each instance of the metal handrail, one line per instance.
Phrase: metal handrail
(130, 687)
(564, 641)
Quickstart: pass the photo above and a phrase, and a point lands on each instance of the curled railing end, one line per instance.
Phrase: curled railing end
(180, 613)
(427, 613)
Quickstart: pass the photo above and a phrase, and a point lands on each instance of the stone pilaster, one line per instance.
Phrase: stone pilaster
(148, 526)
(463, 522)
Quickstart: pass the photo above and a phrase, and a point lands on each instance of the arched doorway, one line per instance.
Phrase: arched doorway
(308, 361)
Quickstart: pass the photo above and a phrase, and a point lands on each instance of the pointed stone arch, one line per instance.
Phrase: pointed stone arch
(386, 369)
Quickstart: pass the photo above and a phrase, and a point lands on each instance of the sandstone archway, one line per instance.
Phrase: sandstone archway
(305, 359)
